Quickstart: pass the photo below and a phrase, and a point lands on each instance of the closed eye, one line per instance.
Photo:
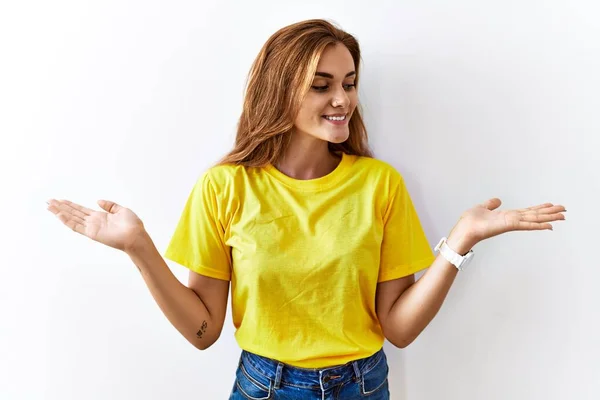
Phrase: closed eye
(347, 87)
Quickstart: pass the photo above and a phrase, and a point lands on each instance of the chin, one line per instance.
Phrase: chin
(339, 138)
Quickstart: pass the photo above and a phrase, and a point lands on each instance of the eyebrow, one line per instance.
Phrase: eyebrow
(326, 75)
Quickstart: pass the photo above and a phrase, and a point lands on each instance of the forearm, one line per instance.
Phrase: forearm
(418, 305)
(182, 307)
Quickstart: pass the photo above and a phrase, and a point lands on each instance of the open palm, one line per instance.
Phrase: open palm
(486, 221)
(118, 227)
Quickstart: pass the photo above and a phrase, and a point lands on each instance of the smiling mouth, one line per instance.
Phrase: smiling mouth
(335, 118)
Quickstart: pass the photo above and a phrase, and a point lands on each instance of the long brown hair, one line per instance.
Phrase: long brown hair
(280, 77)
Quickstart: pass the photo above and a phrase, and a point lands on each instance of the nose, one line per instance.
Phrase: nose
(340, 98)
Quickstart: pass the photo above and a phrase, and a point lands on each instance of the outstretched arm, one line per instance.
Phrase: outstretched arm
(405, 307)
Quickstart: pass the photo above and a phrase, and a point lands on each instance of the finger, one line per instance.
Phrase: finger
(67, 208)
(542, 217)
(52, 207)
(81, 209)
(538, 207)
(56, 207)
(492, 203)
(64, 212)
(74, 223)
(109, 206)
(548, 210)
(533, 226)
(67, 215)
(68, 205)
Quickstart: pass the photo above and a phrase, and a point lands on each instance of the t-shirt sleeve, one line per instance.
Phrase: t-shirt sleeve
(404, 249)
(198, 242)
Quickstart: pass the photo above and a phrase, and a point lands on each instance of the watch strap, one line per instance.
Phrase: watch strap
(453, 257)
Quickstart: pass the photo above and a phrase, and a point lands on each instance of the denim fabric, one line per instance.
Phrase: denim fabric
(261, 378)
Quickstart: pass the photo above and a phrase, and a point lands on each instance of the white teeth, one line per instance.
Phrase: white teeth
(335, 118)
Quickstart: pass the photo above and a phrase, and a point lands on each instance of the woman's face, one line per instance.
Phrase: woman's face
(332, 98)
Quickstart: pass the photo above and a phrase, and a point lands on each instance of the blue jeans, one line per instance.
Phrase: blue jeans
(261, 378)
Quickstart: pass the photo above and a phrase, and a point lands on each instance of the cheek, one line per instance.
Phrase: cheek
(353, 100)
(305, 116)
(311, 113)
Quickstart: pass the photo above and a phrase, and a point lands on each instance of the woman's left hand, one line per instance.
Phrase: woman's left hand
(485, 220)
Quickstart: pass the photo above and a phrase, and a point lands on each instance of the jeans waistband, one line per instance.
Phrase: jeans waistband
(309, 378)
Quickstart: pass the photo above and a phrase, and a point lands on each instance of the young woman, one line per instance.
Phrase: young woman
(319, 239)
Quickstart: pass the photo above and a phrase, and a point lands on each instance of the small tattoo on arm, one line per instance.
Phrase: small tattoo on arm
(202, 330)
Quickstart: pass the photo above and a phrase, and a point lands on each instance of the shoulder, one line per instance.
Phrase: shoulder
(227, 177)
(223, 174)
(378, 170)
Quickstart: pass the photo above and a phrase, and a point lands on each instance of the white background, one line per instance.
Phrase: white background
(132, 100)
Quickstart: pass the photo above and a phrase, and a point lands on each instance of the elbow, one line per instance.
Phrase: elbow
(401, 344)
(203, 345)
(204, 342)
(397, 340)
(204, 338)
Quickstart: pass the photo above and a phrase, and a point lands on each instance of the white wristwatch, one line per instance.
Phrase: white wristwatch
(453, 257)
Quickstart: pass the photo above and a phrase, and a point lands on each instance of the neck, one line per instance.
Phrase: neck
(309, 159)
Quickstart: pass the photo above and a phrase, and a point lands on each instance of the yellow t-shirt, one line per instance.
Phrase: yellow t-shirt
(304, 256)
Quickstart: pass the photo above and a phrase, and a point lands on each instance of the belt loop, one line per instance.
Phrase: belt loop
(356, 370)
(278, 374)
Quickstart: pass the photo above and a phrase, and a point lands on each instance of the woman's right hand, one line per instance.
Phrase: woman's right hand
(118, 227)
